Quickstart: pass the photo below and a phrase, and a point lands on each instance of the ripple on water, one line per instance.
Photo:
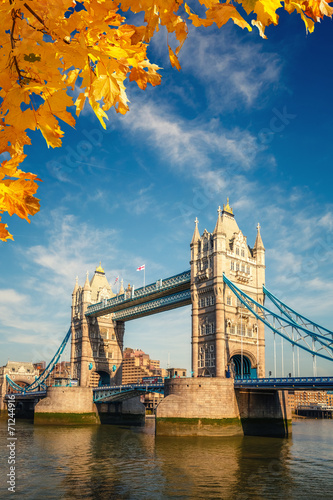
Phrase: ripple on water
(109, 462)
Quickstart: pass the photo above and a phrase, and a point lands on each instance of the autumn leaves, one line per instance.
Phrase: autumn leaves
(48, 49)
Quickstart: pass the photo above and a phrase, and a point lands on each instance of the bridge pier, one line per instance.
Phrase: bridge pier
(264, 412)
(67, 406)
(212, 407)
(128, 412)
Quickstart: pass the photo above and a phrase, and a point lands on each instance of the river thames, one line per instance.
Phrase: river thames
(114, 462)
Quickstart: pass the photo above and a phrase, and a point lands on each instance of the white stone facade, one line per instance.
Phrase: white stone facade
(97, 343)
(224, 332)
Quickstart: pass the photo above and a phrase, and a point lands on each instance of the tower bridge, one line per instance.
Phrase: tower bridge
(226, 289)
(225, 335)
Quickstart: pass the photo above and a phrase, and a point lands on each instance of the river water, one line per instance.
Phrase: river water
(114, 462)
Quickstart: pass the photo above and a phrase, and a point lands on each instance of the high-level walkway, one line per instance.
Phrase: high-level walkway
(162, 295)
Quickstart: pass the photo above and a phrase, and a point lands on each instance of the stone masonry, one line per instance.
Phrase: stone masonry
(223, 330)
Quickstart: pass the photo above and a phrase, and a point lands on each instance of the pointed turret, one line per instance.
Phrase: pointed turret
(258, 244)
(196, 235)
(76, 287)
(219, 225)
(259, 252)
(87, 284)
(86, 292)
(121, 291)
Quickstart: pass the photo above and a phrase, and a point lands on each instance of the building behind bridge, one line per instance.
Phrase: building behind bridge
(22, 373)
(137, 364)
(297, 399)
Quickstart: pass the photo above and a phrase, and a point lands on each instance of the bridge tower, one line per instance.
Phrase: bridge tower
(97, 343)
(226, 339)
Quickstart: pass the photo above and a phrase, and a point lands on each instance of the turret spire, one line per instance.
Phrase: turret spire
(87, 284)
(76, 285)
(218, 227)
(196, 235)
(258, 244)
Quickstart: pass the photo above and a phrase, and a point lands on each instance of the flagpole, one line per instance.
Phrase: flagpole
(144, 277)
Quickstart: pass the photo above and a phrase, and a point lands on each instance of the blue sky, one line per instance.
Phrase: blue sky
(246, 118)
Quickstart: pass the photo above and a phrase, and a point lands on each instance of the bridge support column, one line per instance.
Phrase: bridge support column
(128, 412)
(67, 406)
(264, 412)
(212, 407)
(198, 407)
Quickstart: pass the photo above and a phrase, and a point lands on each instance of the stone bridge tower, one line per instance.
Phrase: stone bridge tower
(97, 343)
(226, 338)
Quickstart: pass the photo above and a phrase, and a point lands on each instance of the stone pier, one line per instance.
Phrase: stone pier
(212, 407)
(67, 406)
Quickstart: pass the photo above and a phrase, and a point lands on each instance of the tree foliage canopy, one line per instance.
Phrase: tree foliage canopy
(48, 49)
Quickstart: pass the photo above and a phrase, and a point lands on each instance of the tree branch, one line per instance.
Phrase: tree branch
(12, 41)
(40, 19)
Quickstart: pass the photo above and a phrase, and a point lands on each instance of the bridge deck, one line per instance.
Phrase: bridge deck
(120, 392)
(297, 383)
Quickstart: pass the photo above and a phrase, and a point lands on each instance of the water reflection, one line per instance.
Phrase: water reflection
(107, 462)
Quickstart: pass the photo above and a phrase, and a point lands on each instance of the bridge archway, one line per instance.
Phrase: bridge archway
(99, 378)
(242, 367)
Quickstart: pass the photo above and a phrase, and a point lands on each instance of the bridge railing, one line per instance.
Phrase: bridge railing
(159, 285)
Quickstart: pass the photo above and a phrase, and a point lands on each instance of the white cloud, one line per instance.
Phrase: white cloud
(234, 70)
(72, 248)
(190, 147)
(12, 297)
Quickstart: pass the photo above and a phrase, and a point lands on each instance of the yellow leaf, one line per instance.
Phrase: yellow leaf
(174, 59)
(80, 102)
(107, 88)
(221, 14)
(98, 111)
(4, 234)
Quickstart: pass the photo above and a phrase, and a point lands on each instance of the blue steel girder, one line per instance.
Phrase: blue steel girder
(295, 334)
(159, 289)
(25, 396)
(298, 318)
(122, 392)
(297, 383)
(39, 381)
